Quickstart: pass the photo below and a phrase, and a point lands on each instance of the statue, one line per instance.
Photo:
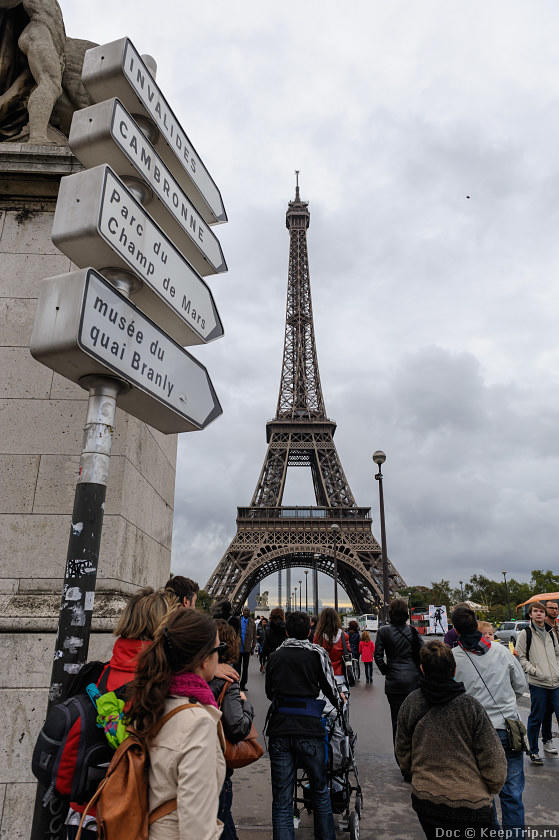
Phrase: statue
(262, 600)
(40, 73)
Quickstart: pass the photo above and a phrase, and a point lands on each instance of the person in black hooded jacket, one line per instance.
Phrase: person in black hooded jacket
(275, 633)
(397, 657)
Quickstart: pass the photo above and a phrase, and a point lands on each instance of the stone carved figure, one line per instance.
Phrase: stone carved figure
(262, 599)
(40, 72)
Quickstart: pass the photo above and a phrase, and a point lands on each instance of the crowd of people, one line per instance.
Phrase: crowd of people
(458, 737)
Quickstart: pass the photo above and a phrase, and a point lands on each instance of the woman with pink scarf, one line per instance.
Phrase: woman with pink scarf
(187, 767)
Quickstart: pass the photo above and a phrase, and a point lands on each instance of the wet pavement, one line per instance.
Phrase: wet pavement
(387, 812)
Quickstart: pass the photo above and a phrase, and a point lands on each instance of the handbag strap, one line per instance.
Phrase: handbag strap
(344, 644)
(483, 681)
(222, 694)
(162, 810)
(169, 715)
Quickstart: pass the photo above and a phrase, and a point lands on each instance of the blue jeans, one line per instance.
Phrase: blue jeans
(224, 813)
(286, 755)
(540, 698)
(547, 721)
(512, 808)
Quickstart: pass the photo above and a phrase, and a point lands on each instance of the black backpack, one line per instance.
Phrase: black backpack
(72, 754)
(529, 640)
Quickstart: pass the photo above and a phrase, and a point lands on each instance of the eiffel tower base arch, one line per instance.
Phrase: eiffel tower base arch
(271, 540)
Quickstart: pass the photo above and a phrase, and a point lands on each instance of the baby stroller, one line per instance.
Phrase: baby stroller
(341, 770)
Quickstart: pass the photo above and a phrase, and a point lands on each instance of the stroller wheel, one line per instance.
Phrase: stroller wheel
(359, 804)
(354, 826)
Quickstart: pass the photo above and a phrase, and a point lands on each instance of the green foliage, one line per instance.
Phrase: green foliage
(544, 581)
(204, 601)
(417, 596)
(490, 594)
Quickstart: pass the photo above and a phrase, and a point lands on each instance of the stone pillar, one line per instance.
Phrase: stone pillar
(42, 418)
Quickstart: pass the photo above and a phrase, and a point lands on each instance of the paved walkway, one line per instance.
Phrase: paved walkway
(387, 811)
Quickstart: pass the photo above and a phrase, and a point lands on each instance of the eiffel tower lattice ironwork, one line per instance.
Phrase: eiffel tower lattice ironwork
(271, 537)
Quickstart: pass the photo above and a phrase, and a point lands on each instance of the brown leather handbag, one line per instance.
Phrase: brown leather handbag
(244, 752)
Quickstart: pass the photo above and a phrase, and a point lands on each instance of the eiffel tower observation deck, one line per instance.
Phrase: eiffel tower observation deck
(333, 536)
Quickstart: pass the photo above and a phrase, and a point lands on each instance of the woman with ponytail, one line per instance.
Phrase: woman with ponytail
(186, 756)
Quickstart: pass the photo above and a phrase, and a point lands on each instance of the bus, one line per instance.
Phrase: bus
(369, 621)
(419, 618)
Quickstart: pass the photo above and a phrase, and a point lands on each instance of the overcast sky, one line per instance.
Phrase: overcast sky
(427, 137)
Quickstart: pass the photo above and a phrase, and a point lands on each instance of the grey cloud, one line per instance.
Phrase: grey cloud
(436, 315)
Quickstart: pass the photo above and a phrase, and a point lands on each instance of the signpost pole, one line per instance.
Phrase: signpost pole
(82, 559)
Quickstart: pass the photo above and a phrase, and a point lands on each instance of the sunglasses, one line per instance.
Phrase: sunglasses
(221, 648)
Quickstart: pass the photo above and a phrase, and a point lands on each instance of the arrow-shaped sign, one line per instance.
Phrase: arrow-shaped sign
(99, 223)
(84, 327)
(116, 69)
(106, 133)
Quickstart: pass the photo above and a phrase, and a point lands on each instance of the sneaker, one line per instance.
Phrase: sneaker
(535, 759)
(549, 748)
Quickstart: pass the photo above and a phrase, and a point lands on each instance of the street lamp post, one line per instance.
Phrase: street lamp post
(315, 583)
(300, 582)
(504, 574)
(306, 590)
(379, 458)
(335, 530)
(461, 582)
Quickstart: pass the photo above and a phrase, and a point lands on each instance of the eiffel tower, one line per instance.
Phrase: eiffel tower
(335, 536)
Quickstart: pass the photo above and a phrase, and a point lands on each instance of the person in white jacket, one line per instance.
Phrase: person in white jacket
(187, 767)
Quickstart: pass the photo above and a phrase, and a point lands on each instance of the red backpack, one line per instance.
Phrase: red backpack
(72, 754)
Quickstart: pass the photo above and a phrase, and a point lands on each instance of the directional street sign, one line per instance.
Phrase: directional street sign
(116, 69)
(106, 133)
(85, 327)
(99, 223)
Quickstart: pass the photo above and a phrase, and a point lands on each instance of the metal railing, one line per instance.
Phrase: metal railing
(324, 513)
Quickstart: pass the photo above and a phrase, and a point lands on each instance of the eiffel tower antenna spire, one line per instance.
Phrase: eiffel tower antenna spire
(334, 536)
(300, 394)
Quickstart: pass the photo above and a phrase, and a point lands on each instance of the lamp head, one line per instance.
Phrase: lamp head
(379, 457)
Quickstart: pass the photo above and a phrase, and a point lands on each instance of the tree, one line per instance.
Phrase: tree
(541, 581)
(418, 597)
(442, 593)
(204, 601)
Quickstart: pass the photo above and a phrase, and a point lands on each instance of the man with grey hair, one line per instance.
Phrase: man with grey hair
(493, 676)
